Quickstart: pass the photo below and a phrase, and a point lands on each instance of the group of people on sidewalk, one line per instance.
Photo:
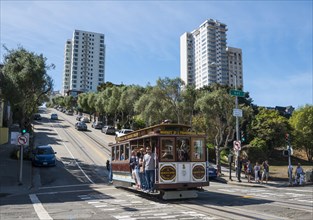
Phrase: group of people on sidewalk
(298, 177)
(259, 171)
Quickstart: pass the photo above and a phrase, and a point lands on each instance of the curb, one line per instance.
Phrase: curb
(263, 185)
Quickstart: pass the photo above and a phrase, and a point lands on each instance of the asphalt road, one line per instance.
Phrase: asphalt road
(77, 188)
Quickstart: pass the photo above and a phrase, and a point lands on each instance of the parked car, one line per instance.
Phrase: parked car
(37, 116)
(212, 172)
(81, 126)
(85, 119)
(54, 116)
(69, 112)
(97, 124)
(79, 117)
(44, 156)
(123, 132)
(107, 129)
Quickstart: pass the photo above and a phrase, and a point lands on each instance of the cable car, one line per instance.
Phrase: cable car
(180, 159)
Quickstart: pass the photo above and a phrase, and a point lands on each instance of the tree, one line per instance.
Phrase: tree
(129, 96)
(216, 108)
(99, 105)
(269, 126)
(82, 102)
(152, 108)
(91, 101)
(169, 90)
(113, 102)
(189, 98)
(69, 102)
(302, 124)
(26, 83)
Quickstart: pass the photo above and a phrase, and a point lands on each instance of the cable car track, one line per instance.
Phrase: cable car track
(77, 143)
(98, 142)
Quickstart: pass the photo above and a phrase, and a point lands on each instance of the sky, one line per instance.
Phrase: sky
(142, 39)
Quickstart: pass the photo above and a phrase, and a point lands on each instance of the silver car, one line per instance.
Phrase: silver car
(107, 129)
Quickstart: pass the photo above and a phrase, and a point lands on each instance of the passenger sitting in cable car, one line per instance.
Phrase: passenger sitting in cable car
(168, 155)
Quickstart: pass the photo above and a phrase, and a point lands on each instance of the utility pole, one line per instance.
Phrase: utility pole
(237, 132)
(230, 160)
(237, 113)
(21, 165)
(289, 158)
(22, 140)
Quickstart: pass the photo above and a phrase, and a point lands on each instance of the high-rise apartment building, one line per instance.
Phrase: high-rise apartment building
(234, 56)
(84, 62)
(204, 55)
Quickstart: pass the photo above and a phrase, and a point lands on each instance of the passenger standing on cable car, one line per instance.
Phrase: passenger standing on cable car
(134, 167)
(142, 175)
(149, 165)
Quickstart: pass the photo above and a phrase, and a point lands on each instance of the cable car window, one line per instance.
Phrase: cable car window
(126, 151)
(113, 153)
(183, 149)
(140, 144)
(153, 144)
(122, 155)
(198, 149)
(167, 149)
(117, 153)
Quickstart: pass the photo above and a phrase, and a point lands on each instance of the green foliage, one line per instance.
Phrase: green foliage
(256, 154)
(270, 127)
(69, 102)
(25, 82)
(189, 97)
(126, 107)
(138, 123)
(82, 102)
(302, 123)
(105, 86)
(216, 108)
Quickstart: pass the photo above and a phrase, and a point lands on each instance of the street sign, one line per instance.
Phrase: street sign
(237, 112)
(237, 145)
(14, 136)
(23, 139)
(238, 93)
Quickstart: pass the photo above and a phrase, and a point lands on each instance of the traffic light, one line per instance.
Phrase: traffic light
(24, 131)
(243, 138)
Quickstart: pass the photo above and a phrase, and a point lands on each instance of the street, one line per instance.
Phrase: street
(77, 188)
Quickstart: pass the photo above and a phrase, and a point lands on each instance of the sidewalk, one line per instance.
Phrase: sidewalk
(244, 181)
(10, 173)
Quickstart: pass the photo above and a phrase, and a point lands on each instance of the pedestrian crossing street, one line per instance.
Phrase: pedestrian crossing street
(302, 196)
(131, 207)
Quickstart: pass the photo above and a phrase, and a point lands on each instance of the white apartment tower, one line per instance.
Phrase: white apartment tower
(204, 55)
(84, 62)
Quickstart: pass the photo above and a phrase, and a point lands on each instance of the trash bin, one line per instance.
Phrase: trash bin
(309, 176)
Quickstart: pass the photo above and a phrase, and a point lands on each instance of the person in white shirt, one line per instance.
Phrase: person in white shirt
(257, 169)
(149, 164)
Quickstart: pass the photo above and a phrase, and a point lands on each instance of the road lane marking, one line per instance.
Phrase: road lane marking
(73, 156)
(39, 209)
(247, 197)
